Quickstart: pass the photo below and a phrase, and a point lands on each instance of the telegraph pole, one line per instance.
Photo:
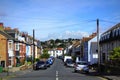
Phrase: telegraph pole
(99, 68)
(33, 46)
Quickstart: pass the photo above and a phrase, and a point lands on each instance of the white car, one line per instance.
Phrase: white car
(81, 66)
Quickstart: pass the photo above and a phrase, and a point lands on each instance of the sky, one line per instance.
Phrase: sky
(59, 19)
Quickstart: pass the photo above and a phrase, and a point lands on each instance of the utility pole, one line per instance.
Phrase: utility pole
(33, 46)
(99, 68)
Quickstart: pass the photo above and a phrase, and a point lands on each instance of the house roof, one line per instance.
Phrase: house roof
(59, 48)
(6, 35)
(114, 27)
(76, 44)
(90, 37)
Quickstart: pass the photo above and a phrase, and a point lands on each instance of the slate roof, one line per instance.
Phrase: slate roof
(6, 35)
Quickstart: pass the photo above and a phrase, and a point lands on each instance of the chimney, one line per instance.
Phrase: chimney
(16, 29)
(1, 26)
(7, 28)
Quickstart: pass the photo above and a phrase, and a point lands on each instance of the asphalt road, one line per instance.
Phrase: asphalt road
(56, 72)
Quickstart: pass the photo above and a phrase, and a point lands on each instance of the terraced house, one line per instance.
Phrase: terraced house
(6, 48)
(16, 47)
(108, 41)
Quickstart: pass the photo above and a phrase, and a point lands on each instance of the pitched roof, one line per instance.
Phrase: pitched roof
(114, 27)
(6, 35)
(90, 37)
(59, 48)
(76, 44)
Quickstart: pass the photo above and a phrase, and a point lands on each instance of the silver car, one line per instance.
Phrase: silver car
(81, 66)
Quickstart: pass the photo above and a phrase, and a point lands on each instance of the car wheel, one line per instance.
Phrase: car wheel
(87, 72)
(75, 71)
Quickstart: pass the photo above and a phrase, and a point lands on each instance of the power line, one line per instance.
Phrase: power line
(108, 21)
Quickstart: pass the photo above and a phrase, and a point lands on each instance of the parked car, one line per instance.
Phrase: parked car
(48, 63)
(40, 65)
(81, 66)
(67, 57)
(60, 57)
(50, 60)
(69, 63)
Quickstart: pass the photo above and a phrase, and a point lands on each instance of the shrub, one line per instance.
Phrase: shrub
(45, 55)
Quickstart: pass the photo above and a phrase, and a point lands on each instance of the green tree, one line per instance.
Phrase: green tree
(58, 41)
(45, 51)
(45, 54)
(115, 54)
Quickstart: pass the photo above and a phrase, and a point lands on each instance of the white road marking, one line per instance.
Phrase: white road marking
(56, 75)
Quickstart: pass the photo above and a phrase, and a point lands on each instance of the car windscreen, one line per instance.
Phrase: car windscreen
(82, 63)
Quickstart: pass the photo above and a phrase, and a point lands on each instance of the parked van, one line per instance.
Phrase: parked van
(67, 57)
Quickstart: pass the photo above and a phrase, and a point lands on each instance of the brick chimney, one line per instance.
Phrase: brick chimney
(1, 26)
(7, 28)
(16, 29)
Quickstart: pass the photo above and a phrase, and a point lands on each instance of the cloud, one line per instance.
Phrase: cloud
(68, 34)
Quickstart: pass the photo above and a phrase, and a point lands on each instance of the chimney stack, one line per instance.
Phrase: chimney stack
(1, 26)
(7, 28)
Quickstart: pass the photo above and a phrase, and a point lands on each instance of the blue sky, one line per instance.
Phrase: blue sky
(53, 19)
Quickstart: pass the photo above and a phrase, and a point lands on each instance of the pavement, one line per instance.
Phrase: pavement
(15, 71)
(112, 77)
(105, 76)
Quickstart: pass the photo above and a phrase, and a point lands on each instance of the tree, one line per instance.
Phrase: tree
(115, 54)
(45, 54)
(45, 51)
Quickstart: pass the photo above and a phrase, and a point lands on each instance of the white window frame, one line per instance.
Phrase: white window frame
(17, 47)
(10, 43)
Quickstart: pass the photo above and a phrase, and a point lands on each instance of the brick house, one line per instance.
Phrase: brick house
(6, 48)
(19, 45)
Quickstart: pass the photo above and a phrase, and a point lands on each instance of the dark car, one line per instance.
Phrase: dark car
(69, 63)
(48, 63)
(40, 65)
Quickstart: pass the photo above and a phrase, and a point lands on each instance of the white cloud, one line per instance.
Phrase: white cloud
(68, 34)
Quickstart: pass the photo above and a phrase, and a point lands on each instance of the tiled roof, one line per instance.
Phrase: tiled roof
(77, 43)
(89, 38)
(6, 35)
(59, 48)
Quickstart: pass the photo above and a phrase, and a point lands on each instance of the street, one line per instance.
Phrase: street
(57, 71)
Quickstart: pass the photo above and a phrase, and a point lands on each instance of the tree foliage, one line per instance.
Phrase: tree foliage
(115, 54)
(45, 54)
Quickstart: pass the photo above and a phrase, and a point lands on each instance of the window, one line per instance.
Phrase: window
(60, 51)
(113, 33)
(17, 46)
(10, 45)
(117, 32)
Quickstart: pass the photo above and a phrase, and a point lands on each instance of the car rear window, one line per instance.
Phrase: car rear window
(41, 62)
(82, 63)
